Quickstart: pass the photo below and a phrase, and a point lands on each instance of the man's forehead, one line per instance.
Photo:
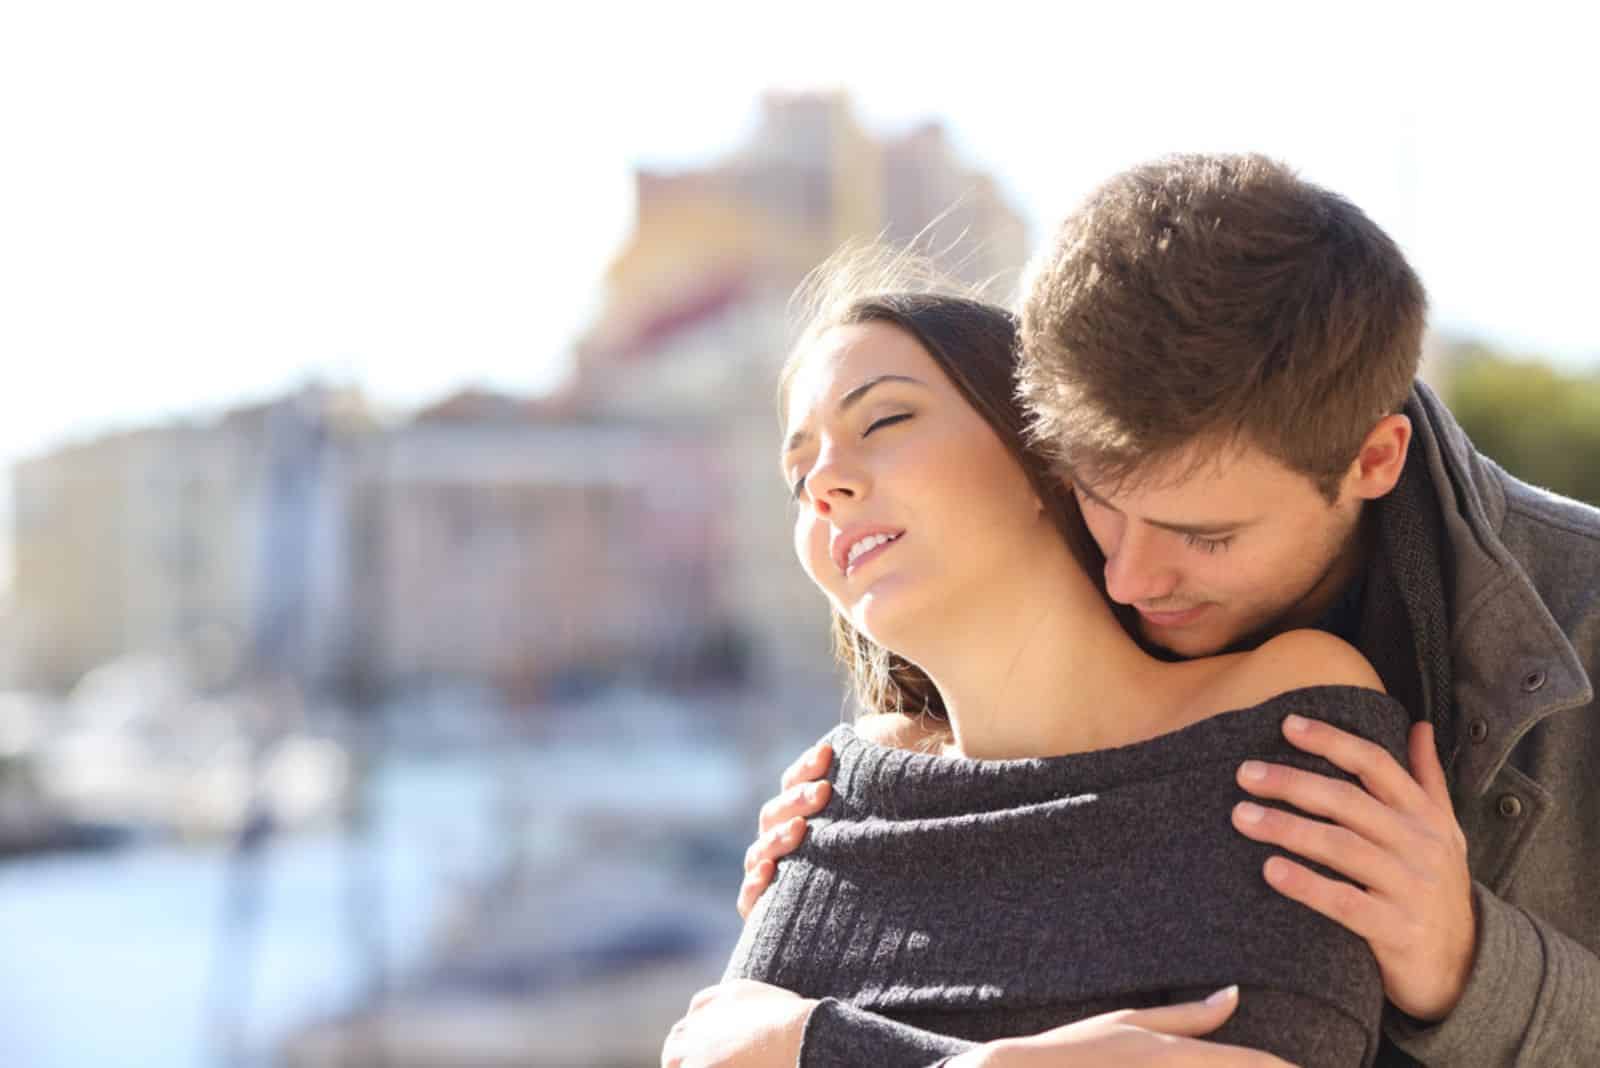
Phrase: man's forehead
(1163, 475)
(1201, 478)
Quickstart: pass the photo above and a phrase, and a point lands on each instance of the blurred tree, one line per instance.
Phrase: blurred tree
(1540, 423)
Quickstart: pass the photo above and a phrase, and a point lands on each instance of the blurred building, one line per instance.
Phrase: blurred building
(501, 544)
(487, 542)
(636, 524)
(216, 541)
(696, 323)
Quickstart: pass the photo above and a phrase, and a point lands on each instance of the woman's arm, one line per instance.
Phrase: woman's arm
(745, 1024)
(838, 1035)
(1255, 1026)
(782, 821)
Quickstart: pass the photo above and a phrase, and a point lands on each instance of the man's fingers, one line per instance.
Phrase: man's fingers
(1379, 772)
(1351, 907)
(1189, 1019)
(812, 764)
(1328, 844)
(754, 885)
(803, 799)
(1343, 802)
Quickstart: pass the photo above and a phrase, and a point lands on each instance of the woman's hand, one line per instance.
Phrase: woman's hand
(783, 821)
(1168, 1036)
(739, 1024)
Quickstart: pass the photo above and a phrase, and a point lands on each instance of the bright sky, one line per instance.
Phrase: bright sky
(203, 203)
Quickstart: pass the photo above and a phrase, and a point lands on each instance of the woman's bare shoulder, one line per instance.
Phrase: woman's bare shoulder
(1294, 660)
(896, 730)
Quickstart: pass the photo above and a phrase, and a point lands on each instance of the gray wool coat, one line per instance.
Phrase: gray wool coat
(1524, 593)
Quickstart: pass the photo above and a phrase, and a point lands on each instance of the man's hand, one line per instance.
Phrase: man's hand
(1398, 840)
(783, 821)
(739, 1024)
(1167, 1037)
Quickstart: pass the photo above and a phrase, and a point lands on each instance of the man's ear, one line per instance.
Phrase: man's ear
(1382, 457)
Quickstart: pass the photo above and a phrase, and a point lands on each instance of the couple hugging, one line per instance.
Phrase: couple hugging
(1220, 704)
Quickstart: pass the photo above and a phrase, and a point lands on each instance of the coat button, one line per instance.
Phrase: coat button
(1510, 806)
(1533, 681)
(1478, 729)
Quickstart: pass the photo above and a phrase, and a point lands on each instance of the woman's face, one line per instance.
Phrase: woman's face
(907, 505)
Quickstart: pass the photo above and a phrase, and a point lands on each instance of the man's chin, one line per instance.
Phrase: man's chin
(1185, 643)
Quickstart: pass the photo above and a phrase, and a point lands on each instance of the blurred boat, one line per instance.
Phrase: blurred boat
(138, 748)
(585, 968)
(621, 831)
(30, 821)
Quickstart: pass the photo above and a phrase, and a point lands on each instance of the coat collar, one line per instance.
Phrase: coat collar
(1512, 665)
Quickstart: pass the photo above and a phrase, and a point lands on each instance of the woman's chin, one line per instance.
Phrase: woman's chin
(885, 616)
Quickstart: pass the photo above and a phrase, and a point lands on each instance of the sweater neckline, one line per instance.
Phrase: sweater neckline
(866, 768)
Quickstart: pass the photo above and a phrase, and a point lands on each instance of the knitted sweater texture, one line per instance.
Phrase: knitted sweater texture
(937, 902)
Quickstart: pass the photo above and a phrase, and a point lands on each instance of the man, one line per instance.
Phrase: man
(1223, 357)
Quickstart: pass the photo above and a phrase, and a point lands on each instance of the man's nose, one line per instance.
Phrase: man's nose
(1138, 570)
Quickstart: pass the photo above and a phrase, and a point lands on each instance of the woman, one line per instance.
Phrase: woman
(1060, 846)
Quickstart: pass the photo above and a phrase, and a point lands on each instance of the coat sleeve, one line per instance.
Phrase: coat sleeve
(1533, 998)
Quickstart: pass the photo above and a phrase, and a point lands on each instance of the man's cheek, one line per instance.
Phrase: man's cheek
(1103, 537)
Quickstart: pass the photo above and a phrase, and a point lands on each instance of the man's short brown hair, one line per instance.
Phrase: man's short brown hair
(1222, 300)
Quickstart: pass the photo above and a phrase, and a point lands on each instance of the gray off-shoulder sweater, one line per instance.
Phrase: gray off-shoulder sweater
(939, 902)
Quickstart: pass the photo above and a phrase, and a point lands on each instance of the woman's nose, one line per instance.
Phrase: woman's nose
(833, 481)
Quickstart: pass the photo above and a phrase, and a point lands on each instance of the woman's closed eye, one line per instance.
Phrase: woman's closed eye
(888, 420)
(798, 487)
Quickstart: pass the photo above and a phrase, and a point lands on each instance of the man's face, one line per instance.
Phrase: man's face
(1240, 548)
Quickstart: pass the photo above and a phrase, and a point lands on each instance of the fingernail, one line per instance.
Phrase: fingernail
(1249, 812)
(1252, 771)
(1223, 996)
(1296, 724)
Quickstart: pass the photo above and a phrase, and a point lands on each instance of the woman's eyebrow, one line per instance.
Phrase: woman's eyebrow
(800, 437)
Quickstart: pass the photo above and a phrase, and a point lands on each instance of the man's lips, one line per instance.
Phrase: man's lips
(1173, 619)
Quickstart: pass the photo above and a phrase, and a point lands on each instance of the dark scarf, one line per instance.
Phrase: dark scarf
(1405, 612)
(1405, 631)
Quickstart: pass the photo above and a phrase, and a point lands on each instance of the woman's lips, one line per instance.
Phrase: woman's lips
(871, 554)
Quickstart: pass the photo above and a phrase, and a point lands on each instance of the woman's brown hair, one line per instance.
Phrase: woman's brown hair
(974, 342)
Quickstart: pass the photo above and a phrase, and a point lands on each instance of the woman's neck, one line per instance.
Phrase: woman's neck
(1039, 666)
